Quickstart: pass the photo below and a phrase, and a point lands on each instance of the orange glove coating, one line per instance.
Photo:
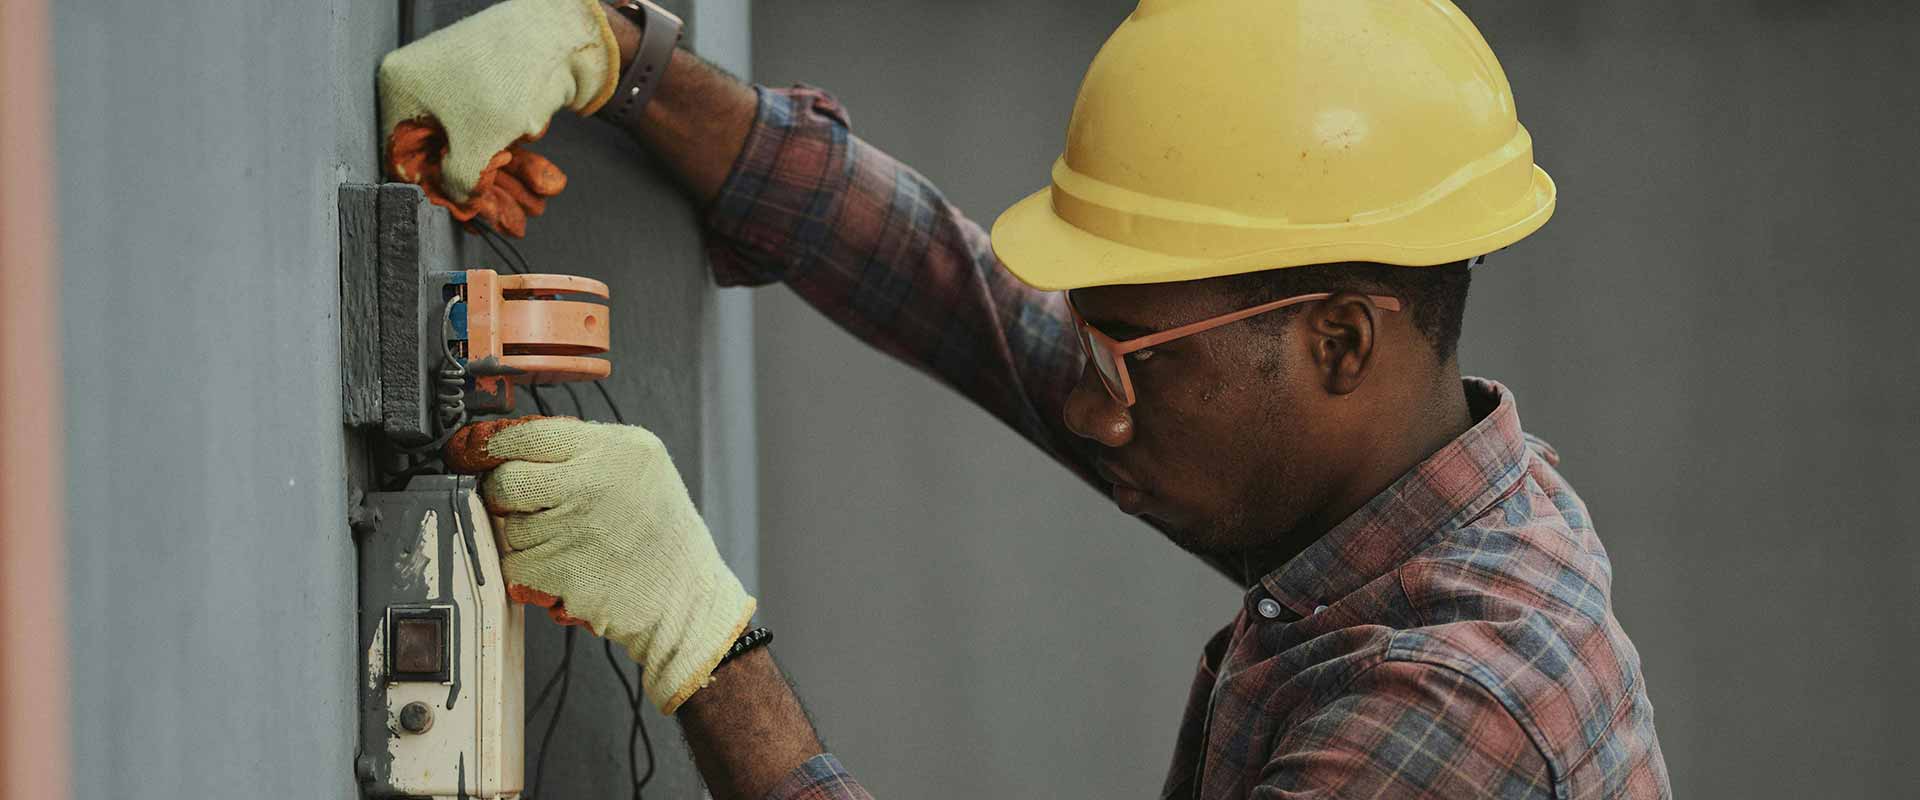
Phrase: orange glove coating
(514, 186)
(466, 453)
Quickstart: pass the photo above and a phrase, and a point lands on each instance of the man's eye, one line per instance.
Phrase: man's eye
(1140, 355)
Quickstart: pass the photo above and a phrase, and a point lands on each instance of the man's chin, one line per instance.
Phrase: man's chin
(1209, 537)
(1184, 534)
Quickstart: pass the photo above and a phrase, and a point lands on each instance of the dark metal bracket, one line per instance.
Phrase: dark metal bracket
(392, 244)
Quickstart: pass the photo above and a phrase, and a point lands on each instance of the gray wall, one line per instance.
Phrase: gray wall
(1713, 331)
(211, 570)
(963, 618)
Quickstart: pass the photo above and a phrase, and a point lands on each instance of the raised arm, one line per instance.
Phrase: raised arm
(871, 244)
(791, 195)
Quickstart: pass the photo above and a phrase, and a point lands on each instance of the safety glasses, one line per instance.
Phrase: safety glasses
(1109, 357)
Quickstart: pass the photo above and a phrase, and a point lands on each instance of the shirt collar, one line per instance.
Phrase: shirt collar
(1451, 487)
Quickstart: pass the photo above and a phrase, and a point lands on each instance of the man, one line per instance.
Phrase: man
(1265, 216)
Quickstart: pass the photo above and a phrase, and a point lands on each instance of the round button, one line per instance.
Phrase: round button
(1318, 609)
(1268, 607)
(416, 718)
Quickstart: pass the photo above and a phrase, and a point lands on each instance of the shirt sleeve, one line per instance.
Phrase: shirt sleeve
(875, 247)
(1408, 730)
(820, 778)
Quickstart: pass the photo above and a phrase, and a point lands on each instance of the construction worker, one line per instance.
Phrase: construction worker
(1235, 308)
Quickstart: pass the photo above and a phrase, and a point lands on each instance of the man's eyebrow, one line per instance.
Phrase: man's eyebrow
(1114, 328)
(1118, 329)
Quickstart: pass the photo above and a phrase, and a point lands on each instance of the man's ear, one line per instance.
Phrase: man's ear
(1341, 331)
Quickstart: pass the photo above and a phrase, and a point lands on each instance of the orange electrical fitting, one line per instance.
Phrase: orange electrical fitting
(524, 329)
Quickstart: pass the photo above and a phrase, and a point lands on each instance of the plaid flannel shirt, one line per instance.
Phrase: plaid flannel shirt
(1453, 638)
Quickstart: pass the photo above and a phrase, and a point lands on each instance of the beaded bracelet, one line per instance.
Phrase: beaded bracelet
(747, 641)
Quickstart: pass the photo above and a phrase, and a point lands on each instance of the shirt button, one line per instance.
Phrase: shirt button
(1318, 609)
(1268, 607)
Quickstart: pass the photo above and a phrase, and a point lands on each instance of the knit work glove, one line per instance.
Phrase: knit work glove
(454, 104)
(600, 530)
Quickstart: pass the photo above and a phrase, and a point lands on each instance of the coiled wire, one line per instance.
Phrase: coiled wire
(450, 386)
(449, 401)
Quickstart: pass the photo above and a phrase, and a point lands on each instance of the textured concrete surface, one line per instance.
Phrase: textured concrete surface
(211, 575)
(1712, 331)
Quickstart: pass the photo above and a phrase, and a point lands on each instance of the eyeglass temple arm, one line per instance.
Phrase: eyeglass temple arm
(1151, 339)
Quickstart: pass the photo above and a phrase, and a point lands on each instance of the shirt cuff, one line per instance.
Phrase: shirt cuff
(784, 185)
(820, 778)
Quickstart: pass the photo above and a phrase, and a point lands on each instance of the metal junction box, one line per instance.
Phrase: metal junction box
(441, 679)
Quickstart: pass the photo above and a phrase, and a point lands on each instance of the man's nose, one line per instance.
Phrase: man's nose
(1093, 413)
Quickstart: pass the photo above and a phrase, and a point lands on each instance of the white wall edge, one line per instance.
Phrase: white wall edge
(729, 447)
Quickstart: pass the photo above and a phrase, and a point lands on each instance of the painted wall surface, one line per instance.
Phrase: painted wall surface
(211, 570)
(1713, 331)
(211, 579)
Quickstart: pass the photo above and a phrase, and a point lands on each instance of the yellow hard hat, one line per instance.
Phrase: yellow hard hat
(1216, 137)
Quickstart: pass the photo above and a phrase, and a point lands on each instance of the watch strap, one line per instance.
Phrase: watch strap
(659, 34)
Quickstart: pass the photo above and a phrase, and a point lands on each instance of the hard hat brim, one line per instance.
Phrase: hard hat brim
(1050, 254)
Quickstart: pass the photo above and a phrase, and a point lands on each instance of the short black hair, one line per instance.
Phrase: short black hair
(1436, 295)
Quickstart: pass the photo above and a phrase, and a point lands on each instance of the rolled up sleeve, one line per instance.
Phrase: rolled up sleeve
(820, 778)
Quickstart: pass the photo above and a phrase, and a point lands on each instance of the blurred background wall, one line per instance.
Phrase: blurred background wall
(1715, 330)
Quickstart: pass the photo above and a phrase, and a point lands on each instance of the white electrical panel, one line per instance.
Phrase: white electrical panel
(442, 679)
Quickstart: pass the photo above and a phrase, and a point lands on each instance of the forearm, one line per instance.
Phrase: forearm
(697, 119)
(746, 729)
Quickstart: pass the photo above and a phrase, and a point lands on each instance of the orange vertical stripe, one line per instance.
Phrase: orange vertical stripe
(34, 758)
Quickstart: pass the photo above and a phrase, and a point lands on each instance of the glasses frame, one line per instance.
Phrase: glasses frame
(1117, 351)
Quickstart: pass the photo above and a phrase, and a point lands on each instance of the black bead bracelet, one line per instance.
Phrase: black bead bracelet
(751, 639)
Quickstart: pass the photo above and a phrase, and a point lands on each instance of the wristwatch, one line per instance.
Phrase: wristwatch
(659, 32)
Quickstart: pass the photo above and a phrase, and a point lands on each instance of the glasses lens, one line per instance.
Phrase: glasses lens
(1103, 363)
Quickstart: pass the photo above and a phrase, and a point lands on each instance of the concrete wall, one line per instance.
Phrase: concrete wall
(211, 575)
(1713, 331)
(211, 569)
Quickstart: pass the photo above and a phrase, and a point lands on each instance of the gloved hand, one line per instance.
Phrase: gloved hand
(456, 104)
(600, 530)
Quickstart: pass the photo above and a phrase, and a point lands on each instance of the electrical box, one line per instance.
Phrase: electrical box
(423, 332)
(442, 693)
(428, 342)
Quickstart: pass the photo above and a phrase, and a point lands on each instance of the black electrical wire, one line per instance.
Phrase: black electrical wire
(553, 723)
(546, 689)
(488, 236)
(579, 411)
(634, 691)
(495, 241)
(635, 696)
(563, 673)
(611, 406)
(497, 238)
